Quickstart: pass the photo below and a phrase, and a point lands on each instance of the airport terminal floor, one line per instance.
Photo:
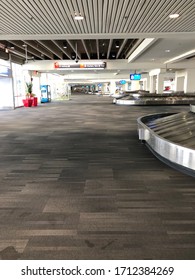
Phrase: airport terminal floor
(76, 183)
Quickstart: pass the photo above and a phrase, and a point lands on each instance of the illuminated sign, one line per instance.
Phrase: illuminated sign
(101, 65)
(122, 82)
(135, 77)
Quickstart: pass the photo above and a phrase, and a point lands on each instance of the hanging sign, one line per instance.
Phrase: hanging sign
(101, 65)
(122, 82)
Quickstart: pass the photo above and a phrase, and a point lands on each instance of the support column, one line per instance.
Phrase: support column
(179, 80)
(152, 84)
(179, 83)
(160, 83)
(189, 81)
(112, 86)
(148, 84)
(135, 85)
(126, 86)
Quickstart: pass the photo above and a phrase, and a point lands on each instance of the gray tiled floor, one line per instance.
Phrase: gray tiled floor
(76, 183)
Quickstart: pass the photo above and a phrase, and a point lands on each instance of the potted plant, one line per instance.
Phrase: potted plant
(30, 100)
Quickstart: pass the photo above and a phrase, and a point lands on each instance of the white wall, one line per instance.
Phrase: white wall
(6, 93)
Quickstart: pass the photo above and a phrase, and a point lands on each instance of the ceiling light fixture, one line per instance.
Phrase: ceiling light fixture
(64, 45)
(174, 15)
(78, 16)
(117, 44)
(167, 50)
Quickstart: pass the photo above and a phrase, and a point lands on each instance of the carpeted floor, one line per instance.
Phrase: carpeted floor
(76, 183)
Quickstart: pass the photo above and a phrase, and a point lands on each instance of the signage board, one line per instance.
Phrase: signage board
(135, 77)
(58, 65)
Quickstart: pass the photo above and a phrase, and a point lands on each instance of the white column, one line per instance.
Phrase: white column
(126, 86)
(152, 84)
(135, 85)
(148, 83)
(112, 86)
(160, 83)
(179, 83)
(189, 81)
(179, 80)
(103, 88)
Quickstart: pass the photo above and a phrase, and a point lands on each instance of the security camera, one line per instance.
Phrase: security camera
(76, 60)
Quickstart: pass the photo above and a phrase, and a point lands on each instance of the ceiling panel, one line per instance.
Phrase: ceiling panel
(50, 23)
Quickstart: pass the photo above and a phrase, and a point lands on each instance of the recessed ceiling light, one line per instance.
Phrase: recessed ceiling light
(174, 15)
(167, 50)
(117, 44)
(78, 16)
(64, 45)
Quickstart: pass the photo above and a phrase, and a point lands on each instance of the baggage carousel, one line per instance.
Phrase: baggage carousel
(171, 137)
(135, 98)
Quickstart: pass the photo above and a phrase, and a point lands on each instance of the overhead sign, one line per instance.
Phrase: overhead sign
(58, 65)
(135, 77)
(122, 82)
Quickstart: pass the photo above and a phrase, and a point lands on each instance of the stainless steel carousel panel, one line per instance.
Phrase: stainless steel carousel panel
(137, 98)
(171, 138)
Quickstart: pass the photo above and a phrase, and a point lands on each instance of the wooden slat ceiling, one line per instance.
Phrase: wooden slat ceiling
(50, 18)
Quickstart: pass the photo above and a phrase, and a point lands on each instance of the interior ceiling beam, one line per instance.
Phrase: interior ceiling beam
(74, 49)
(18, 52)
(30, 49)
(56, 51)
(39, 48)
(109, 48)
(85, 47)
(134, 47)
(98, 50)
(16, 59)
(141, 48)
(62, 49)
(121, 47)
(169, 35)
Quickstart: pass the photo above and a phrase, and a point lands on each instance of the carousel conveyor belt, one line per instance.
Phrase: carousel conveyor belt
(171, 137)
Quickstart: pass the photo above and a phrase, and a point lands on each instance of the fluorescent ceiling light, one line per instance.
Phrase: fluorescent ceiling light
(174, 16)
(180, 57)
(141, 48)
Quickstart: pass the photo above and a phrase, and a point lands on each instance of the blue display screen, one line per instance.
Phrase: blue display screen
(135, 77)
(122, 82)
